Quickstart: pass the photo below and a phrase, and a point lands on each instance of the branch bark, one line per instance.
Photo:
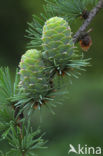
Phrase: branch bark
(86, 23)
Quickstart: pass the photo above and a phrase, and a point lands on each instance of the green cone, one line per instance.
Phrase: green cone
(33, 79)
(57, 43)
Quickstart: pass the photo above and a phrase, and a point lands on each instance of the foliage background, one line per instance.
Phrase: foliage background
(79, 120)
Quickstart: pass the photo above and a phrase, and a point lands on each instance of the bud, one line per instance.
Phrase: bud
(85, 42)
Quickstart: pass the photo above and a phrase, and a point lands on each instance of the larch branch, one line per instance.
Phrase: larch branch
(86, 23)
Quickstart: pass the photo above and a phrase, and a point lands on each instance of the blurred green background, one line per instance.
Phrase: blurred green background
(79, 120)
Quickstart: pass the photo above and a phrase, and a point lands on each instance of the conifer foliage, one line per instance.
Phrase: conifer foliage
(52, 54)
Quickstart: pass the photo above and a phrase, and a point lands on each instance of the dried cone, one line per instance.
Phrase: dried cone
(57, 42)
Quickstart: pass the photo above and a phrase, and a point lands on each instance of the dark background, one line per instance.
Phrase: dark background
(79, 120)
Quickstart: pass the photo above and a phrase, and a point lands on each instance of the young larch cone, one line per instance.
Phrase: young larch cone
(34, 81)
(57, 44)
